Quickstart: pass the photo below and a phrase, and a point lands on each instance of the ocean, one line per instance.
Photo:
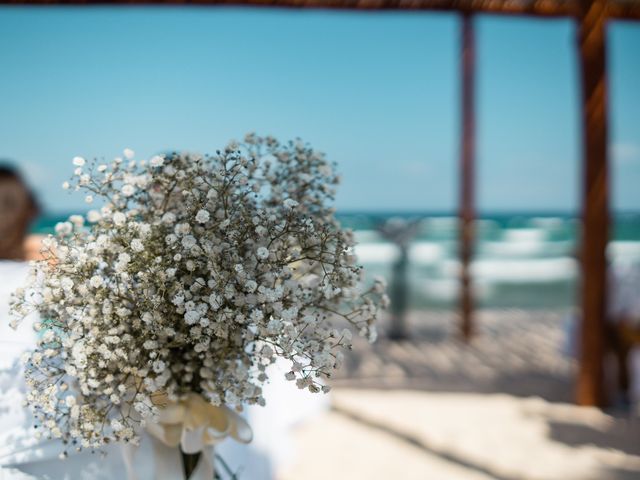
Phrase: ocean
(522, 260)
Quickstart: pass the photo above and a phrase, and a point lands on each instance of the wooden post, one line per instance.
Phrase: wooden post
(595, 201)
(467, 176)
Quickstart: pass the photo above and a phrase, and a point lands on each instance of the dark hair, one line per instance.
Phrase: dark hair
(18, 208)
(9, 172)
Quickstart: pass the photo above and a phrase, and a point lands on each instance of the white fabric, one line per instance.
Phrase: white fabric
(634, 367)
(14, 419)
(624, 300)
(23, 457)
(272, 447)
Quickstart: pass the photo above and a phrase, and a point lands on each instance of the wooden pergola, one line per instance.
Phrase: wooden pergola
(591, 17)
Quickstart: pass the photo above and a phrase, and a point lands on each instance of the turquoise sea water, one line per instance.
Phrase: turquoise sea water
(522, 260)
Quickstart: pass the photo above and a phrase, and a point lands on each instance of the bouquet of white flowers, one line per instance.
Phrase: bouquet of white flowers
(192, 278)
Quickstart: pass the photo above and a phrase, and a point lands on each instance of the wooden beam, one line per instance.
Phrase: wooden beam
(595, 201)
(622, 9)
(467, 176)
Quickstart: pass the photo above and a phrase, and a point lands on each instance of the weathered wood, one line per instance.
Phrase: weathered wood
(623, 9)
(595, 201)
(467, 176)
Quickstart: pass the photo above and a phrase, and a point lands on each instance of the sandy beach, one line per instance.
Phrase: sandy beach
(434, 408)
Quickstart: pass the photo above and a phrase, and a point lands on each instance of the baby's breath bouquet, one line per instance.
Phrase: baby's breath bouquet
(195, 274)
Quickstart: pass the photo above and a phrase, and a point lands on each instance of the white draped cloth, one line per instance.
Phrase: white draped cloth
(24, 457)
(623, 305)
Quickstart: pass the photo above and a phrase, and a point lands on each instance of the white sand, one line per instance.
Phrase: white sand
(406, 435)
(433, 408)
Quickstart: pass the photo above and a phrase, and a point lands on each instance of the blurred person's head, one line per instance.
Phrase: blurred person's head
(18, 208)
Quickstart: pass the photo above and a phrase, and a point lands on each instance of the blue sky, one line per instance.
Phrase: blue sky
(377, 91)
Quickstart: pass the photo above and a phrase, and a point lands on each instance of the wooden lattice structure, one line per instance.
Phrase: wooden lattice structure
(591, 17)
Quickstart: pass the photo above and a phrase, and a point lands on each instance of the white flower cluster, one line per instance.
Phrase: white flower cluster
(196, 274)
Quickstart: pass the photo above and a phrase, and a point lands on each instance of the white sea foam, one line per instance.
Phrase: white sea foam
(524, 235)
(448, 289)
(547, 223)
(426, 252)
(367, 236)
(450, 224)
(526, 260)
(376, 252)
(624, 251)
(517, 271)
(421, 253)
(441, 222)
(525, 248)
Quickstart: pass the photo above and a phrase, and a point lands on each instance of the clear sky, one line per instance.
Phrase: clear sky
(377, 91)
